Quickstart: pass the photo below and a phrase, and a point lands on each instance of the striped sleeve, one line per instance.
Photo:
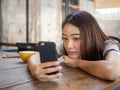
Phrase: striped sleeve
(110, 45)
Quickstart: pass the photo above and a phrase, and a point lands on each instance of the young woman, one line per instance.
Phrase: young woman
(84, 46)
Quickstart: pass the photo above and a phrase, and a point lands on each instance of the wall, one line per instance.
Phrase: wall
(44, 20)
(13, 21)
(106, 12)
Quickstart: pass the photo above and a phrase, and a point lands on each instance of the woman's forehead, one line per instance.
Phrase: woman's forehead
(70, 29)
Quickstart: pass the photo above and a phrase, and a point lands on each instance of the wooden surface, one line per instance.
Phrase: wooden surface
(13, 22)
(44, 20)
(14, 75)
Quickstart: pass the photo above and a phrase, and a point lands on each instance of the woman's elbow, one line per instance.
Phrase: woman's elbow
(112, 75)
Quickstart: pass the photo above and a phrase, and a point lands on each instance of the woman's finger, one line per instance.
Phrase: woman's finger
(44, 77)
(51, 69)
(48, 64)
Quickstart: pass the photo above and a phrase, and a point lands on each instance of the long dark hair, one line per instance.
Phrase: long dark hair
(93, 38)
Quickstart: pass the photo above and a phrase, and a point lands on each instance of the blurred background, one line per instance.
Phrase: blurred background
(30, 21)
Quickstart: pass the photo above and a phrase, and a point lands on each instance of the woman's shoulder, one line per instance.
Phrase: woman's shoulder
(110, 45)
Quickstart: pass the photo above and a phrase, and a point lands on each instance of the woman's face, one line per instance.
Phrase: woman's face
(71, 38)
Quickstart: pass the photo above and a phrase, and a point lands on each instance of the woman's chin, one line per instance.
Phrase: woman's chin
(74, 56)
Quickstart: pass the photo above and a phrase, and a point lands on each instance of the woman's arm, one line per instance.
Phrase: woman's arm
(39, 70)
(33, 61)
(105, 69)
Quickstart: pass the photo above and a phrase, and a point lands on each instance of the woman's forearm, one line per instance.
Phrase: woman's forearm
(33, 62)
(106, 69)
(101, 69)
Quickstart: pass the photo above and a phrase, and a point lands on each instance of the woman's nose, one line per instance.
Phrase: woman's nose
(70, 44)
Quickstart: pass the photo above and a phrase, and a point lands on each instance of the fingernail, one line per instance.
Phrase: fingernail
(60, 67)
(57, 62)
(59, 75)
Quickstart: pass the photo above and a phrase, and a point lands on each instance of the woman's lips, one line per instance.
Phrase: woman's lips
(72, 53)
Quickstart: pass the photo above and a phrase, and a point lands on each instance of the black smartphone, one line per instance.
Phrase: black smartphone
(48, 52)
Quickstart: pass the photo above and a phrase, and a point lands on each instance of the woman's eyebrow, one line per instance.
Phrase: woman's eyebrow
(72, 34)
(75, 34)
(64, 34)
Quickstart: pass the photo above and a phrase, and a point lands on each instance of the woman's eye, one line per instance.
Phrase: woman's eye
(76, 39)
(64, 38)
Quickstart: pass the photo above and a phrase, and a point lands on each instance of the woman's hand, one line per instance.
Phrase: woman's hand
(69, 61)
(39, 70)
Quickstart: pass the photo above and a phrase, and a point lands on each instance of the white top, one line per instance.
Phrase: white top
(110, 45)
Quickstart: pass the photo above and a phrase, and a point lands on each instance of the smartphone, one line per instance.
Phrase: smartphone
(48, 52)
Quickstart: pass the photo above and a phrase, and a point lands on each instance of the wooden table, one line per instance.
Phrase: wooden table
(14, 75)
